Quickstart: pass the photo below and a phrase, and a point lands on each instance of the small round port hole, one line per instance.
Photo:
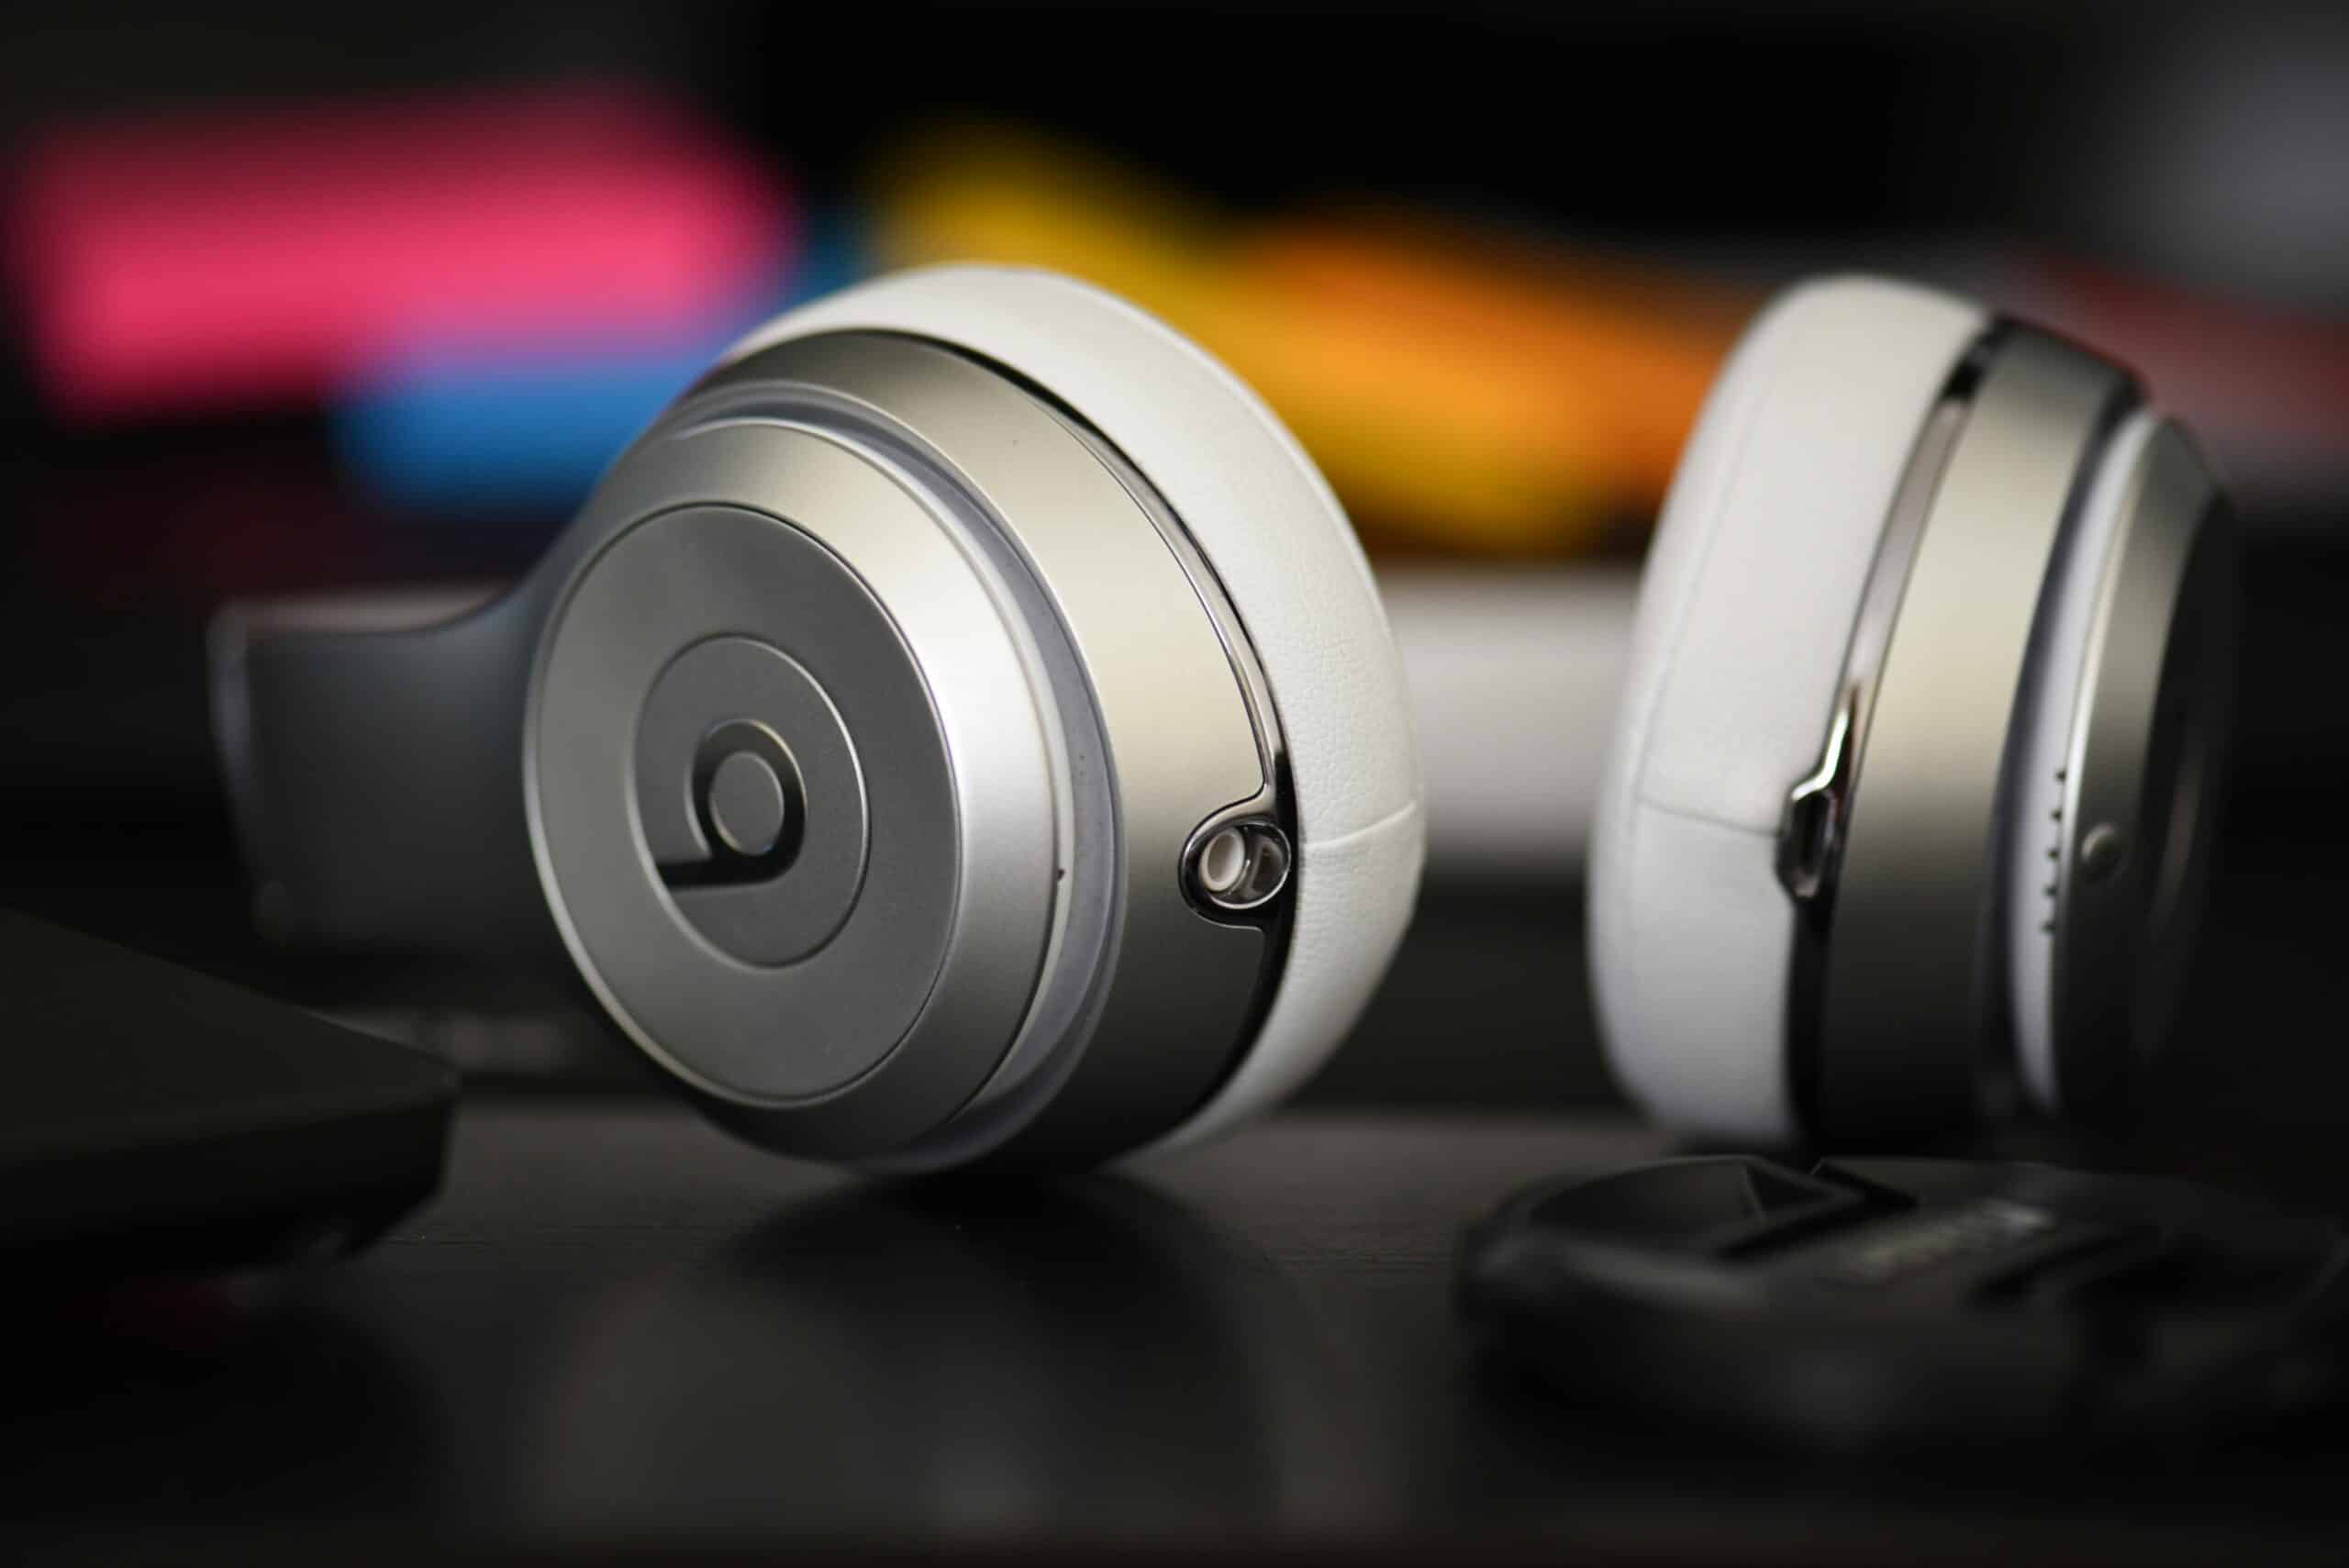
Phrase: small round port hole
(1223, 862)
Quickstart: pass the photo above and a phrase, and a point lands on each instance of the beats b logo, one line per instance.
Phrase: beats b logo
(750, 804)
(751, 799)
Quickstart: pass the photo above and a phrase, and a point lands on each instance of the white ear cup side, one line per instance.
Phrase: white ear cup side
(1745, 613)
(1279, 543)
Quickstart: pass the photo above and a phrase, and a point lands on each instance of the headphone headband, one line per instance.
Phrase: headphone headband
(368, 741)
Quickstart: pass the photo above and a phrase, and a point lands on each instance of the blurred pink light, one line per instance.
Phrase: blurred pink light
(264, 257)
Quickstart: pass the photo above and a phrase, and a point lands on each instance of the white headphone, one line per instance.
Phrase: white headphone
(1912, 784)
(963, 727)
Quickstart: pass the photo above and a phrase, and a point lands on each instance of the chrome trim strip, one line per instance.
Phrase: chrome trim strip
(1817, 814)
(1815, 825)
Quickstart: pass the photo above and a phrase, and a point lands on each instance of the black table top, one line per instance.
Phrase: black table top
(617, 1326)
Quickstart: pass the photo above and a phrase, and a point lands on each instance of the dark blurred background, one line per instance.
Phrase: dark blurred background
(305, 298)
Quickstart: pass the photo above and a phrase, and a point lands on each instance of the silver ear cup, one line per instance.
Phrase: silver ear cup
(866, 743)
(896, 950)
(2130, 837)
(1894, 985)
(1998, 859)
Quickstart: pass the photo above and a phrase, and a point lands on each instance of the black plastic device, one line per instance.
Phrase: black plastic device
(1904, 1302)
(154, 1119)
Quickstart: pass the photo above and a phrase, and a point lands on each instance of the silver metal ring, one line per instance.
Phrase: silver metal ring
(1090, 720)
(2142, 783)
(1889, 1000)
(889, 1025)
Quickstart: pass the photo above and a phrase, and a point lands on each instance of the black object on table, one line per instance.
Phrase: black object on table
(1862, 1306)
(151, 1117)
(618, 1330)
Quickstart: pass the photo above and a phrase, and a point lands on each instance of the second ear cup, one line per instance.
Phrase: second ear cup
(1914, 777)
(1746, 610)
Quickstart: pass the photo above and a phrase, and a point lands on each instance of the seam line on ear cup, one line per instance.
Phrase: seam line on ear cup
(1637, 726)
(1725, 477)
(1745, 605)
(1381, 826)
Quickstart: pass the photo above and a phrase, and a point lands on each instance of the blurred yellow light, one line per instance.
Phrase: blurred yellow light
(1457, 390)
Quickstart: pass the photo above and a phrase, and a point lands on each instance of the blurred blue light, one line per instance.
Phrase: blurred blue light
(479, 429)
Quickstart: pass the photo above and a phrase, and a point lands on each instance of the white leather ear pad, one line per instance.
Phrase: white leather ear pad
(1745, 613)
(1265, 520)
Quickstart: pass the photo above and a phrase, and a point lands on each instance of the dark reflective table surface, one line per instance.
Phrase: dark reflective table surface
(617, 1328)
